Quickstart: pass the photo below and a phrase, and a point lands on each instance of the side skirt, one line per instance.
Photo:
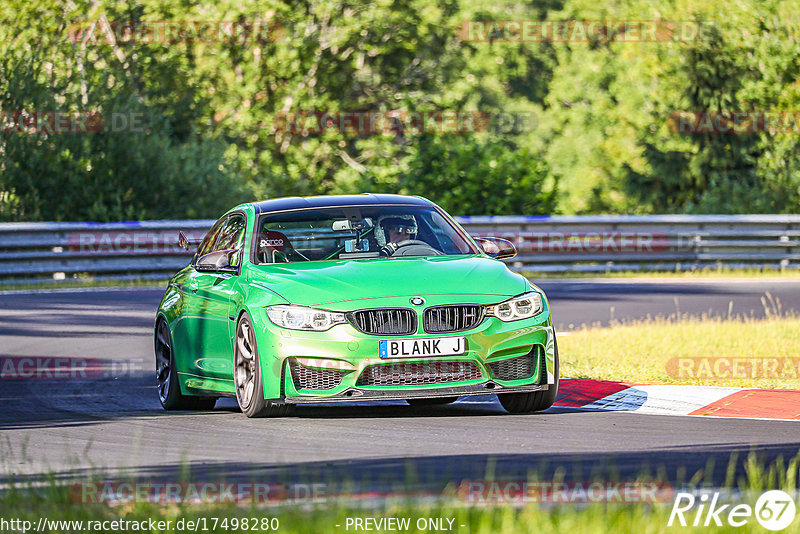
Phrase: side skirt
(201, 386)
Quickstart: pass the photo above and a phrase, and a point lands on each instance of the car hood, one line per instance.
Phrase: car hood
(339, 282)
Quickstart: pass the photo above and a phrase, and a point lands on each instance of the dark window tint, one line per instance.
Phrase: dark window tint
(231, 236)
(207, 245)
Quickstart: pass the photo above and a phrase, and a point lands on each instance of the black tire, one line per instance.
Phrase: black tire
(169, 391)
(247, 370)
(433, 401)
(535, 401)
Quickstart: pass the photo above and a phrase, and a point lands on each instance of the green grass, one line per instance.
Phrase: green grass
(592, 519)
(683, 350)
(79, 283)
(55, 502)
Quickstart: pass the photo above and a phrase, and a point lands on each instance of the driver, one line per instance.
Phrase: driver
(397, 230)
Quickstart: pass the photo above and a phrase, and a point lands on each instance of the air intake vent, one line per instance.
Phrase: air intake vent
(517, 368)
(314, 378)
(542, 365)
(385, 321)
(420, 373)
(443, 319)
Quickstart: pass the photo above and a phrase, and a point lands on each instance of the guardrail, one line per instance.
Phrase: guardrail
(148, 249)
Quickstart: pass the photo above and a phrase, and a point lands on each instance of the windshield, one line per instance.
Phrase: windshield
(352, 232)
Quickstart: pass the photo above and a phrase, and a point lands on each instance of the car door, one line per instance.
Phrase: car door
(188, 328)
(215, 291)
(203, 331)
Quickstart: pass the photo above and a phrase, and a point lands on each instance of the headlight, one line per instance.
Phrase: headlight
(521, 307)
(302, 318)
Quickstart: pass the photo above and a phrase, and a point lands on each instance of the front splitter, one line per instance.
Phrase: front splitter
(354, 394)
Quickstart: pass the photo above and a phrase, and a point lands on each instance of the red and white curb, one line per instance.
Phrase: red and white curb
(600, 395)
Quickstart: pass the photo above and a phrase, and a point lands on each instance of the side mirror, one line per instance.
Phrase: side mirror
(185, 243)
(497, 247)
(218, 261)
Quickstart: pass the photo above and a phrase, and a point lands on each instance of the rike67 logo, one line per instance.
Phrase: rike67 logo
(774, 510)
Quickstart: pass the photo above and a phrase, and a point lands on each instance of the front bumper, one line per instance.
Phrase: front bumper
(352, 352)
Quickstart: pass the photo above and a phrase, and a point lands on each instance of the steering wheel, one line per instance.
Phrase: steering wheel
(409, 247)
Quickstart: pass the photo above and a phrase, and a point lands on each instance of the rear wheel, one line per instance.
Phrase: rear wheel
(169, 391)
(433, 401)
(247, 375)
(535, 401)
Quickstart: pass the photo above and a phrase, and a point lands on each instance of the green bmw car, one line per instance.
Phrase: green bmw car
(351, 298)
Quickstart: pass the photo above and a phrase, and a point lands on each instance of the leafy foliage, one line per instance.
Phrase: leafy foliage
(208, 111)
(610, 107)
(150, 157)
(483, 178)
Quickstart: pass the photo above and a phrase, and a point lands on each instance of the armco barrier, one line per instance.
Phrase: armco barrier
(148, 249)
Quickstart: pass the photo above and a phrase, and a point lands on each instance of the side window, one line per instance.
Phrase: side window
(207, 244)
(231, 236)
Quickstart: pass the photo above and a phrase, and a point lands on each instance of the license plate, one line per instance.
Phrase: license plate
(414, 348)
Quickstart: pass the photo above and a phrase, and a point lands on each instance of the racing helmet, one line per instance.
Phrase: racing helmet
(406, 223)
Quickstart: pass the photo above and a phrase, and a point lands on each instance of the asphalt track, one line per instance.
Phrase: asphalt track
(114, 424)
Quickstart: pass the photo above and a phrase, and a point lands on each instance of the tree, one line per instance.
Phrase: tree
(148, 160)
(480, 178)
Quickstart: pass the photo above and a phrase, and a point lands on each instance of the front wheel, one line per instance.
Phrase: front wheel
(247, 375)
(169, 391)
(535, 401)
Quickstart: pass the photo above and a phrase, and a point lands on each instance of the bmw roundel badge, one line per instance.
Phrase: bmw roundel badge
(417, 301)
